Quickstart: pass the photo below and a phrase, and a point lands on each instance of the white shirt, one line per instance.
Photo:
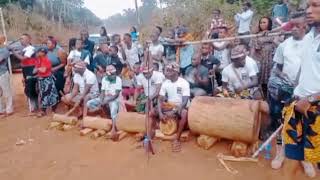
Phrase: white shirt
(175, 90)
(290, 55)
(87, 78)
(309, 82)
(132, 54)
(75, 55)
(222, 55)
(244, 20)
(151, 84)
(156, 49)
(28, 51)
(109, 88)
(245, 73)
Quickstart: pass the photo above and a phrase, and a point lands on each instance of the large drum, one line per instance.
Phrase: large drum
(233, 119)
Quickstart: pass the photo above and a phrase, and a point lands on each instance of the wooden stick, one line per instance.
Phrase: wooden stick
(85, 131)
(228, 168)
(66, 127)
(98, 133)
(236, 159)
(122, 135)
(54, 125)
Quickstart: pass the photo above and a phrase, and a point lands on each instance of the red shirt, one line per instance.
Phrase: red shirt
(44, 62)
(28, 62)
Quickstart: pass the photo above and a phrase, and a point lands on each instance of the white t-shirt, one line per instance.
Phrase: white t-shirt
(132, 54)
(75, 55)
(290, 55)
(310, 67)
(111, 88)
(222, 55)
(87, 78)
(245, 73)
(28, 51)
(244, 21)
(156, 49)
(156, 79)
(175, 90)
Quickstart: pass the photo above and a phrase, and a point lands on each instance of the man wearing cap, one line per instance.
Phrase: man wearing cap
(197, 76)
(109, 97)
(150, 81)
(5, 86)
(85, 86)
(240, 78)
(176, 91)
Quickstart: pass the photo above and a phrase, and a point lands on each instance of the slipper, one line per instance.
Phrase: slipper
(176, 146)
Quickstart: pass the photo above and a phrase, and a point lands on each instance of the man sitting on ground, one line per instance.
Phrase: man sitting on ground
(109, 97)
(197, 76)
(85, 87)
(240, 78)
(176, 92)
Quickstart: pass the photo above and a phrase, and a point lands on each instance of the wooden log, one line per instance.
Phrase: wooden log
(185, 136)
(161, 136)
(170, 127)
(233, 119)
(122, 135)
(131, 122)
(65, 119)
(66, 127)
(206, 142)
(97, 123)
(85, 131)
(98, 133)
(54, 125)
(239, 149)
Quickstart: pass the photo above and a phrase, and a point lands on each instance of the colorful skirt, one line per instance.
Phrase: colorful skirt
(48, 92)
(301, 134)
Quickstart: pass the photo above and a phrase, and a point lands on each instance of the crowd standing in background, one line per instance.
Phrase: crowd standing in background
(168, 73)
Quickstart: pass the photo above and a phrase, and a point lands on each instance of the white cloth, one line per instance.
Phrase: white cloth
(290, 54)
(110, 89)
(6, 94)
(150, 85)
(245, 73)
(174, 91)
(310, 67)
(222, 55)
(244, 21)
(156, 49)
(132, 55)
(75, 56)
(28, 51)
(87, 78)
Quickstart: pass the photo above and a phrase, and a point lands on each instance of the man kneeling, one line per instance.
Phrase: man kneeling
(109, 97)
(177, 92)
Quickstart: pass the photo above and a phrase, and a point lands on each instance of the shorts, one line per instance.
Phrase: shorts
(294, 152)
(96, 104)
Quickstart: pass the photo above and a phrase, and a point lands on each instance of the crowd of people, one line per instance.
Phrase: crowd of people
(163, 76)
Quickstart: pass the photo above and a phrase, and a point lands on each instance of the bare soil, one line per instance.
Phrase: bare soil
(53, 154)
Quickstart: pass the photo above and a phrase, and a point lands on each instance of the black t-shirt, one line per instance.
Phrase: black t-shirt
(103, 60)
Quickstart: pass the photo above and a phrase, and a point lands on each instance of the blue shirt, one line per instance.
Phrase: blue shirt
(281, 11)
(186, 54)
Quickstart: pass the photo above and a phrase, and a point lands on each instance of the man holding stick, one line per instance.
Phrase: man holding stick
(301, 132)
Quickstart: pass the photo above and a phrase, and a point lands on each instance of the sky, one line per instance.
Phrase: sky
(105, 8)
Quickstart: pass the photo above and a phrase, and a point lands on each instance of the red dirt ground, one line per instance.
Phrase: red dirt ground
(52, 155)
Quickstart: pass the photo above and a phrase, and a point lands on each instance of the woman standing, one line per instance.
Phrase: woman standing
(262, 50)
(58, 59)
(104, 36)
(48, 94)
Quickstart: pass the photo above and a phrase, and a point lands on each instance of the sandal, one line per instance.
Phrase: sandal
(176, 146)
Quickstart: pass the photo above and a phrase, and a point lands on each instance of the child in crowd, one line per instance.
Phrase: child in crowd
(48, 94)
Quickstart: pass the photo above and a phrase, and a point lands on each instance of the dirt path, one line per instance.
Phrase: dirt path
(52, 155)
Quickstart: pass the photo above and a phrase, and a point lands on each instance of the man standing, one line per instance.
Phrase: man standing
(243, 20)
(197, 76)
(88, 45)
(288, 58)
(240, 78)
(28, 63)
(280, 11)
(301, 131)
(131, 51)
(5, 86)
(177, 92)
(156, 50)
